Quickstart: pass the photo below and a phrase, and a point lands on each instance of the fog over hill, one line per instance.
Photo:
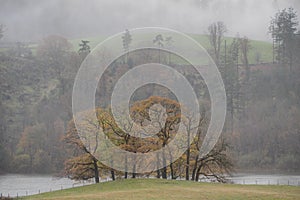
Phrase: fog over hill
(32, 20)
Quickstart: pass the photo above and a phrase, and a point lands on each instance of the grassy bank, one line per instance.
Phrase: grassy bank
(169, 189)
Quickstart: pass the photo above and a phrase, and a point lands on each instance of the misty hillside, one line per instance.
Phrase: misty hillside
(150, 102)
(260, 51)
(34, 94)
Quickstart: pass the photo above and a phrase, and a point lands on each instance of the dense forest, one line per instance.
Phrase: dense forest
(261, 132)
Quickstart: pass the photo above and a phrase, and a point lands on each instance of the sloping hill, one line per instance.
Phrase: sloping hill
(261, 49)
(132, 189)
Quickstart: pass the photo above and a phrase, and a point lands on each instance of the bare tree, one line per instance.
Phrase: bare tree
(189, 124)
(216, 32)
(159, 41)
(215, 164)
(83, 166)
(169, 42)
(126, 38)
(244, 49)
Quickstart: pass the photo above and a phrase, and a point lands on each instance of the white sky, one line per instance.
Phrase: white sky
(34, 19)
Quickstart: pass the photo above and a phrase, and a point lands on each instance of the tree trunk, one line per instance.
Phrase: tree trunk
(157, 165)
(171, 166)
(158, 173)
(96, 170)
(133, 175)
(133, 170)
(164, 170)
(195, 168)
(134, 167)
(126, 167)
(187, 168)
(113, 175)
(198, 173)
(164, 173)
(172, 171)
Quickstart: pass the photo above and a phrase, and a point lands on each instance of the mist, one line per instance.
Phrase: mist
(220, 104)
(33, 19)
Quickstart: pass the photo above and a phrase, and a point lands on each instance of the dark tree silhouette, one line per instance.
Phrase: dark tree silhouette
(159, 41)
(85, 49)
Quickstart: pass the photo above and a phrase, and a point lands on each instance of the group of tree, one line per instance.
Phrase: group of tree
(84, 164)
(262, 100)
(190, 166)
(38, 133)
(35, 105)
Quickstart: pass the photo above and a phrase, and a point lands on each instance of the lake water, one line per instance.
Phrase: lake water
(22, 185)
(274, 179)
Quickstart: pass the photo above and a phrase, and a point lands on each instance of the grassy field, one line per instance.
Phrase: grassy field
(147, 189)
(261, 48)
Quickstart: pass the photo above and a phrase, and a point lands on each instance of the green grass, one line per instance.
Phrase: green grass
(263, 48)
(147, 189)
(94, 41)
(256, 47)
